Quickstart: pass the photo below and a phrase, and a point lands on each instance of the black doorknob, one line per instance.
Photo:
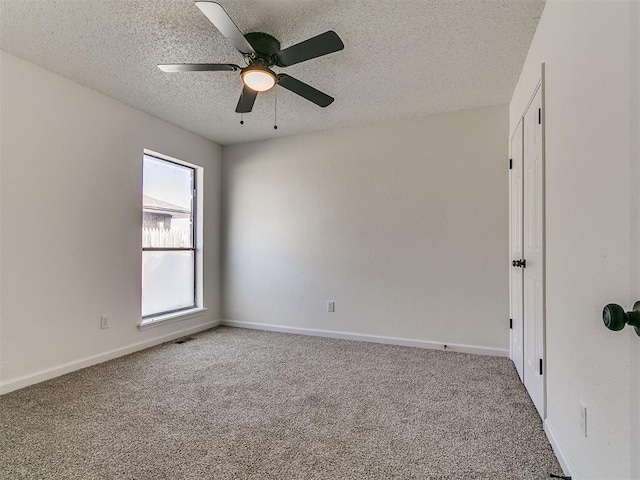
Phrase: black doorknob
(519, 263)
(615, 318)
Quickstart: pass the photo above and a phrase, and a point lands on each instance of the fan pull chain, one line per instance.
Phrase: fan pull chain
(242, 109)
(275, 111)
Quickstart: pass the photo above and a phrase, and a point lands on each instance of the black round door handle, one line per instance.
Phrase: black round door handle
(519, 263)
(615, 318)
(515, 263)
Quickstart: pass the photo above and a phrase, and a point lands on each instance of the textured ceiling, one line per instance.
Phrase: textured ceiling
(402, 58)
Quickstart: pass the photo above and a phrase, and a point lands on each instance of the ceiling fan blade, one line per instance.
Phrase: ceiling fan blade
(318, 46)
(198, 67)
(247, 98)
(304, 90)
(216, 15)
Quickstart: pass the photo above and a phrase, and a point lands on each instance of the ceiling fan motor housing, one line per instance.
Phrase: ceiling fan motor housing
(265, 46)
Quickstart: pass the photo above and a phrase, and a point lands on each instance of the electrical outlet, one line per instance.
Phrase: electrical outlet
(583, 419)
(104, 322)
(331, 307)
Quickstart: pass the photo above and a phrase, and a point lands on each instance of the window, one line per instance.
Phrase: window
(169, 233)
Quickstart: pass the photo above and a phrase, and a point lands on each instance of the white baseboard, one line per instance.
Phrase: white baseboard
(49, 373)
(405, 342)
(567, 468)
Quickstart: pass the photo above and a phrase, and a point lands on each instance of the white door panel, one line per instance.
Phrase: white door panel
(635, 238)
(515, 243)
(533, 254)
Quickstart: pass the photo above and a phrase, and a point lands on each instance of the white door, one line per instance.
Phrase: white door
(533, 271)
(515, 247)
(635, 238)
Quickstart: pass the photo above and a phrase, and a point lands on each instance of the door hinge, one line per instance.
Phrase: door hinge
(510, 323)
(510, 163)
(540, 116)
(540, 366)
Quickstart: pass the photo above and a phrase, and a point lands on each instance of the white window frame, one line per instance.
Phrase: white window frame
(199, 309)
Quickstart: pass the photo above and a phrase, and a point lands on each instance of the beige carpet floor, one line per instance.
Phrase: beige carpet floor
(246, 404)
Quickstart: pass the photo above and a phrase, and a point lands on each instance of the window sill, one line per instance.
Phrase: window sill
(160, 320)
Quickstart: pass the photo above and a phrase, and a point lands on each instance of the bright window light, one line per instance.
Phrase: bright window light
(168, 237)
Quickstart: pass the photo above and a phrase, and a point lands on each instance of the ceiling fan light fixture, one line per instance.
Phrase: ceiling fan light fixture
(259, 79)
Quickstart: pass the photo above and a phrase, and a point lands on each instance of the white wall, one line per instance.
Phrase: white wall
(71, 222)
(403, 225)
(585, 47)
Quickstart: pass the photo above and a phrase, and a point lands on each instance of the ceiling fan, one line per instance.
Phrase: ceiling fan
(262, 51)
